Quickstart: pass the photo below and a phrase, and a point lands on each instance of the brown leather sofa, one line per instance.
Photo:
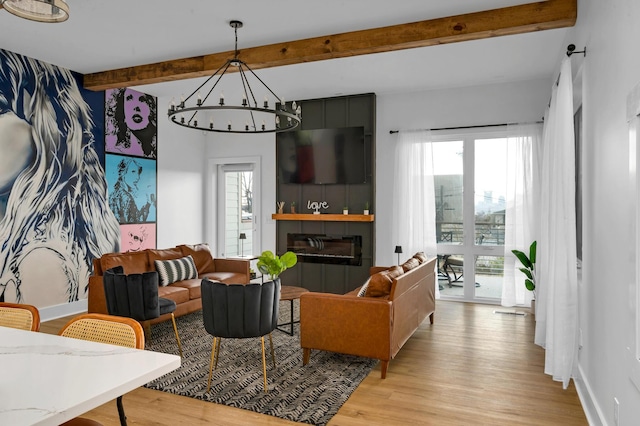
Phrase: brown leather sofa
(375, 325)
(185, 293)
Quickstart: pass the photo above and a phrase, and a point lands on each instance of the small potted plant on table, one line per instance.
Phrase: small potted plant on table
(273, 265)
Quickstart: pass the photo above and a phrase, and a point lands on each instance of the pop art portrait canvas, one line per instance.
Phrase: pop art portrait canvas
(137, 237)
(131, 123)
(132, 188)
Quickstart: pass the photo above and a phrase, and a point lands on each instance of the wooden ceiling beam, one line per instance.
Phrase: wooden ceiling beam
(525, 18)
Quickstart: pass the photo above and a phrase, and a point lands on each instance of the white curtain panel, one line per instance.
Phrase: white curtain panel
(414, 207)
(557, 280)
(522, 201)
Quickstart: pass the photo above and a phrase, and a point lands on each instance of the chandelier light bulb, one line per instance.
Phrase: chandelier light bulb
(266, 102)
(221, 98)
(229, 125)
(199, 99)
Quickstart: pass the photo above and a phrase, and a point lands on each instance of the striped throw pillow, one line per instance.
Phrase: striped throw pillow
(171, 271)
(363, 289)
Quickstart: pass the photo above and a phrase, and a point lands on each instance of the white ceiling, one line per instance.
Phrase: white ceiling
(100, 36)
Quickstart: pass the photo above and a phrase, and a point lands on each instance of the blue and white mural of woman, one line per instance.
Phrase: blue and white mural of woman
(54, 215)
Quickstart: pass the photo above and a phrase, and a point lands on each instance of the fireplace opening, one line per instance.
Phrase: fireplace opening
(322, 248)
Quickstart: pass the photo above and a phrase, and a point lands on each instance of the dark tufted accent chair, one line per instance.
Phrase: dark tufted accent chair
(136, 296)
(240, 311)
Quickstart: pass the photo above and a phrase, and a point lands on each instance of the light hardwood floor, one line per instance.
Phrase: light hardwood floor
(472, 367)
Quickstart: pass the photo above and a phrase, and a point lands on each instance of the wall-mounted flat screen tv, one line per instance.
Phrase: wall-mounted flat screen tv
(321, 156)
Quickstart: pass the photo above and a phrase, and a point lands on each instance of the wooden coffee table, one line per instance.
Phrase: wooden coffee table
(290, 293)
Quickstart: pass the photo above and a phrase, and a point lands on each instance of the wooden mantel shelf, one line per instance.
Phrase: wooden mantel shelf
(325, 217)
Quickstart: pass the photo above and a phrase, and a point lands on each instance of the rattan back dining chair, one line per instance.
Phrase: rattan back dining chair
(110, 329)
(21, 316)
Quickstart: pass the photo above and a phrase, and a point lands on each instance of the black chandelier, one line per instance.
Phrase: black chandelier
(246, 117)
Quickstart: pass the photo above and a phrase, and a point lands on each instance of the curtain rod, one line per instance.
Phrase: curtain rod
(391, 132)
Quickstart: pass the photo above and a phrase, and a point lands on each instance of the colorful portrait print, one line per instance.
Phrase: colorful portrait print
(132, 188)
(54, 214)
(137, 237)
(131, 123)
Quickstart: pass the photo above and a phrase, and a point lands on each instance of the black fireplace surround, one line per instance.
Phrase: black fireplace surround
(322, 248)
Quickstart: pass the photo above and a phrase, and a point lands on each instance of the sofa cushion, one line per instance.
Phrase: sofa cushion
(395, 271)
(177, 294)
(192, 285)
(132, 263)
(163, 254)
(421, 257)
(379, 285)
(202, 256)
(410, 264)
(171, 271)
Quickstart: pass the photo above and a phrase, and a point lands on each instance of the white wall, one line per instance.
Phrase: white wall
(181, 168)
(516, 102)
(611, 69)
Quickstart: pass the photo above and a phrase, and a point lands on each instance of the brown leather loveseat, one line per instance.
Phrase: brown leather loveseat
(186, 293)
(374, 322)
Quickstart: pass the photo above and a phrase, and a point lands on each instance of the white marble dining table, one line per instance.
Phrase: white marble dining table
(47, 379)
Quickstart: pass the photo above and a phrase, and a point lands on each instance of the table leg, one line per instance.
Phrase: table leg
(291, 318)
(290, 323)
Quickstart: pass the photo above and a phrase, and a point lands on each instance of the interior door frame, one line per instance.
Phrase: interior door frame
(212, 218)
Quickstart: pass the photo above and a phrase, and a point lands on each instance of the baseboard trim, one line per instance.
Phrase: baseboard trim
(58, 311)
(592, 410)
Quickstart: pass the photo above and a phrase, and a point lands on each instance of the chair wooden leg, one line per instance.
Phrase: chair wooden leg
(306, 353)
(175, 330)
(264, 365)
(213, 351)
(123, 418)
(146, 327)
(383, 369)
(219, 342)
(273, 356)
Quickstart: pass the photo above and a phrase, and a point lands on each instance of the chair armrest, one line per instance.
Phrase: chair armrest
(346, 324)
(97, 301)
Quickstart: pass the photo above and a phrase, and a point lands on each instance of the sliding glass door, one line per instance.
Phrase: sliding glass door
(470, 189)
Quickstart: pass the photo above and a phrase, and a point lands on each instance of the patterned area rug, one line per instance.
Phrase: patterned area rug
(307, 394)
